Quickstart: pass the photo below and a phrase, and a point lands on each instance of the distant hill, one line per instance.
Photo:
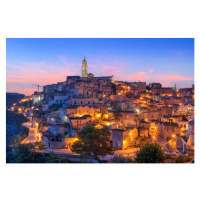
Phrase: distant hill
(13, 98)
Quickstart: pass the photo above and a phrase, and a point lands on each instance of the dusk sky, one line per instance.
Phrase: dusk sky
(48, 61)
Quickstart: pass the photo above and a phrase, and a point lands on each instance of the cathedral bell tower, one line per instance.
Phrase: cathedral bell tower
(84, 68)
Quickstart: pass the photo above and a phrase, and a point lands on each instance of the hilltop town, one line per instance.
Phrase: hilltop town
(134, 112)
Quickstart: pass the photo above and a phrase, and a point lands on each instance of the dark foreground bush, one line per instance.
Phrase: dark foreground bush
(27, 153)
(150, 153)
(118, 159)
(182, 159)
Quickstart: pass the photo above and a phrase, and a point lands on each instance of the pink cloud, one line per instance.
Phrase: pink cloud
(138, 76)
(24, 74)
(178, 78)
(26, 91)
(150, 71)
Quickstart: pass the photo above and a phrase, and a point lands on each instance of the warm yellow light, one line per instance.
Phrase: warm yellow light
(32, 107)
(98, 126)
(124, 141)
(98, 115)
(14, 104)
(173, 136)
(130, 133)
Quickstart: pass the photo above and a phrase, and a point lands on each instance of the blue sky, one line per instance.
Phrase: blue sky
(47, 61)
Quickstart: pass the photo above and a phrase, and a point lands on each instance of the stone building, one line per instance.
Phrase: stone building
(122, 139)
(166, 110)
(140, 86)
(190, 134)
(84, 68)
(168, 130)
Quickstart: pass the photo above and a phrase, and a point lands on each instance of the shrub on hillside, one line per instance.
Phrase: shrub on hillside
(118, 159)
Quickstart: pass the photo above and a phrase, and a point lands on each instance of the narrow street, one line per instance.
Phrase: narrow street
(32, 136)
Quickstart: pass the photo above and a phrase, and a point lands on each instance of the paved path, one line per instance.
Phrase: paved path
(32, 136)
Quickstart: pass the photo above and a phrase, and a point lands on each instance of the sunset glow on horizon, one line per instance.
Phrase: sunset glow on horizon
(48, 61)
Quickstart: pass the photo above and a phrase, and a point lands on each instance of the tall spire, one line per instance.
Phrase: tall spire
(84, 68)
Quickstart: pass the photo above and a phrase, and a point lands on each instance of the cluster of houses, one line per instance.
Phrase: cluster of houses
(130, 110)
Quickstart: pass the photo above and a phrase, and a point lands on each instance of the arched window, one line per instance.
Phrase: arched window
(74, 102)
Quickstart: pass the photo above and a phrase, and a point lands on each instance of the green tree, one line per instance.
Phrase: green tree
(38, 146)
(30, 153)
(150, 153)
(23, 153)
(182, 159)
(93, 143)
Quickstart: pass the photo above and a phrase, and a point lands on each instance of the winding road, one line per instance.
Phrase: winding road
(32, 136)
